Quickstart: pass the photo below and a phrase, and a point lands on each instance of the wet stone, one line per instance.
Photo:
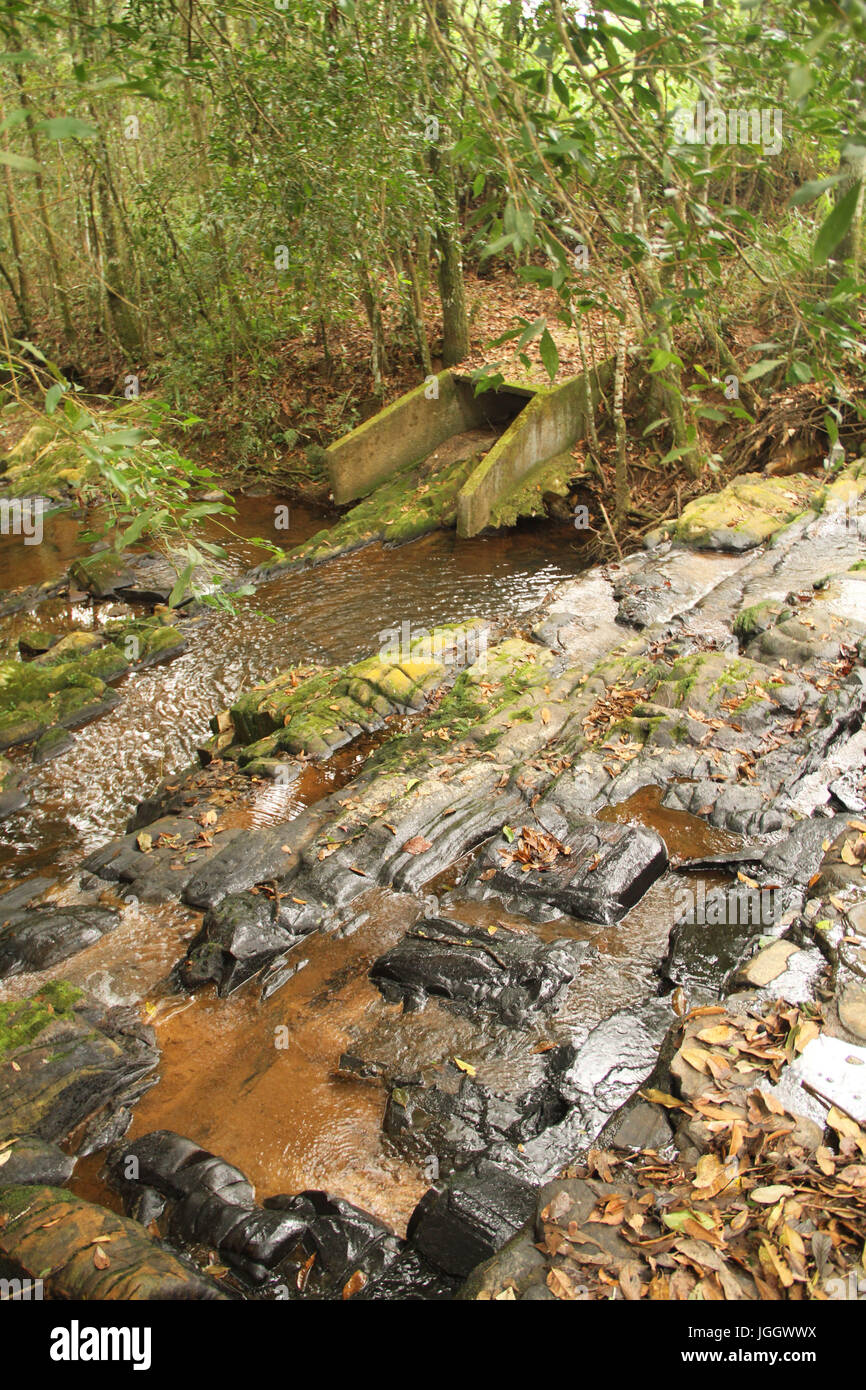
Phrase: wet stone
(29, 1160)
(601, 870)
(458, 1226)
(513, 974)
(37, 937)
(79, 1066)
(238, 938)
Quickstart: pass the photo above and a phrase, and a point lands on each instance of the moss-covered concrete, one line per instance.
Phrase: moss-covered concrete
(410, 429)
(414, 501)
(551, 424)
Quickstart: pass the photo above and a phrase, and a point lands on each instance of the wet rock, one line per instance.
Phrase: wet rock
(518, 1269)
(12, 797)
(238, 938)
(205, 1201)
(606, 1069)
(35, 938)
(49, 1234)
(26, 1160)
(654, 591)
(132, 578)
(703, 955)
(638, 1125)
(457, 1117)
(768, 964)
(458, 1226)
(599, 872)
(345, 1241)
(511, 973)
(23, 895)
(852, 1009)
(52, 744)
(408, 1278)
(77, 1064)
(255, 856)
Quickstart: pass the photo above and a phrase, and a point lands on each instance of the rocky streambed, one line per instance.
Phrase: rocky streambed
(520, 957)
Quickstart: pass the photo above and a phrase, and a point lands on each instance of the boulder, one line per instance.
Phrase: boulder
(513, 974)
(35, 938)
(82, 1251)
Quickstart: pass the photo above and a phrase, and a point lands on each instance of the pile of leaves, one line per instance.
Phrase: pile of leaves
(533, 849)
(762, 1214)
(609, 709)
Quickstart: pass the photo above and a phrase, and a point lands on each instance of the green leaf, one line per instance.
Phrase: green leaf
(136, 530)
(813, 189)
(66, 127)
(836, 225)
(761, 368)
(180, 588)
(123, 439)
(549, 354)
(19, 161)
(799, 80)
(498, 245)
(508, 833)
(52, 396)
(662, 358)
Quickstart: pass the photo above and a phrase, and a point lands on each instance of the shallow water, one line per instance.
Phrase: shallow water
(258, 1081)
(330, 614)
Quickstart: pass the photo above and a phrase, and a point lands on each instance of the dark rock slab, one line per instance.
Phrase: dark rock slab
(513, 974)
(600, 872)
(37, 937)
(458, 1226)
(48, 1233)
(458, 1118)
(30, 1160)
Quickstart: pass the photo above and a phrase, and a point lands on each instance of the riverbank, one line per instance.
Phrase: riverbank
(484, 951)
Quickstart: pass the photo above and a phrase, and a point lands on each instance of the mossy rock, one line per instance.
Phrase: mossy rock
(22, 1020)
(759, 617)
(47, 462)
(71, 645)
(37, 643)
(748, 512)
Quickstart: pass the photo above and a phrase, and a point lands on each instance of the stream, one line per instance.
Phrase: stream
(291, 1123)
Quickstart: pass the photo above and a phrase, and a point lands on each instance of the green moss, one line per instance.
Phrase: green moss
(859, 565)
(416, 500)
(22, 1020)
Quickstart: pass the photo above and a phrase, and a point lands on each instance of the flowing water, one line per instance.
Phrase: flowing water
(278, 1112)
(258, 1081)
